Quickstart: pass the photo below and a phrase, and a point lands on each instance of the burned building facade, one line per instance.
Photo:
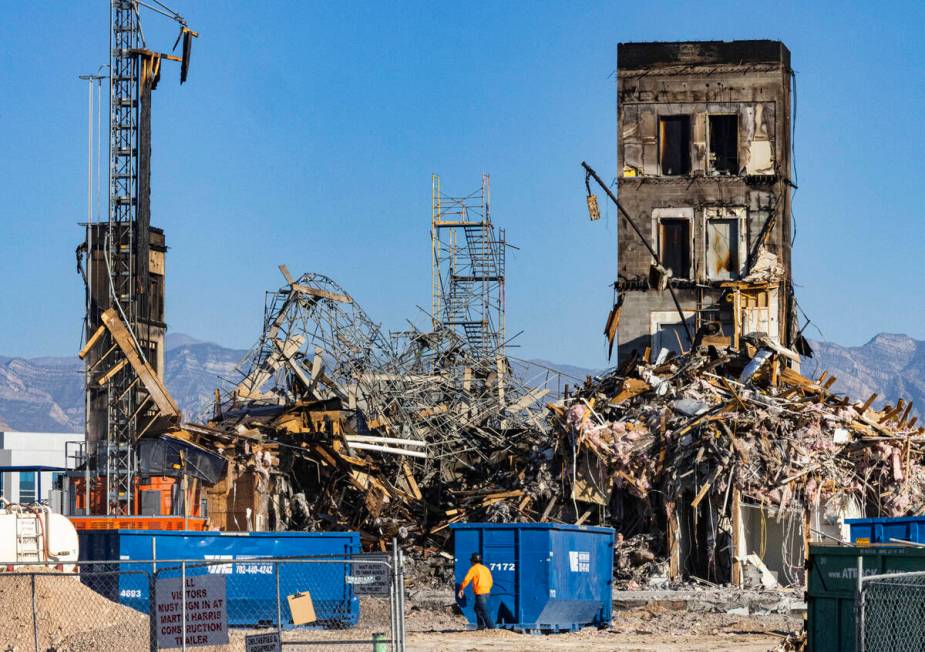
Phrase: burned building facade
(704, 171)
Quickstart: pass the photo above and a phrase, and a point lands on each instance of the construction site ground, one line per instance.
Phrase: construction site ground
(653, 628)
(690, 619)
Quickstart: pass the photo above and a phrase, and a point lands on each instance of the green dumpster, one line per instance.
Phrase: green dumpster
(833, 582)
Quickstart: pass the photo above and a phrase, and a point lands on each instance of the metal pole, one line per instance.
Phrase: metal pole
(86, 447)
(401, 599)
(590, 172)
(99, 141)
(183, 600)
(35, 618)
(89, 79)
(279, 610)
(393, 601)
(859, 607)
(152, 613)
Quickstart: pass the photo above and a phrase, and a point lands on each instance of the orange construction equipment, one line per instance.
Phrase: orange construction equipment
(168, 502)
(84, 523)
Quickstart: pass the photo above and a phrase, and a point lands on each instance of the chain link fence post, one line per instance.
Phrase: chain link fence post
(35, 617)
(152, 611)
(859, 607)
(183, 602)
(401, 600)
(279, 606)
(393, 598)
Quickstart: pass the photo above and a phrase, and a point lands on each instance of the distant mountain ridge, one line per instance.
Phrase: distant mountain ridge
(46, 394)
(889, 364)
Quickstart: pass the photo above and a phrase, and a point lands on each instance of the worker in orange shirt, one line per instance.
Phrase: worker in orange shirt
(480, 578)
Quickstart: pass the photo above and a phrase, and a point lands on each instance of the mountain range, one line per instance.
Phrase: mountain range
(46, 394)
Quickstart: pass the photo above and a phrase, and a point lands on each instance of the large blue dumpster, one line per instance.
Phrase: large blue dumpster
(882, 529)
(251, 584)
(547, 577)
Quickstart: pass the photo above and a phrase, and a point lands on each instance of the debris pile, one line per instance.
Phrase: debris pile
(333, 425)
(638, 562)
(677, 446)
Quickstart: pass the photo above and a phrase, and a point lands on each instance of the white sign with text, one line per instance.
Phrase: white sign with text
(206, 611)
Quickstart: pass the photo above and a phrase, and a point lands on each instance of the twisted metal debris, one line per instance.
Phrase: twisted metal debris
(390, 435)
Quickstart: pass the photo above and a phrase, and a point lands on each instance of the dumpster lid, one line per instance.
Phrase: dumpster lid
(215, 533)
(532, 526)
(885, 519)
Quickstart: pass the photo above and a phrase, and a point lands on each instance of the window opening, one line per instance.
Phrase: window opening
(724, 144)
(674, 240)
(674, 144)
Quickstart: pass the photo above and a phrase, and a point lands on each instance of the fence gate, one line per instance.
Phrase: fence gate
(353, 602)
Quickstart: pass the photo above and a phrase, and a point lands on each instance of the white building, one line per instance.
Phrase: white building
(31, 463)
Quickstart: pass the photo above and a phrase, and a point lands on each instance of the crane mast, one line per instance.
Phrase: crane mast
(123, 263)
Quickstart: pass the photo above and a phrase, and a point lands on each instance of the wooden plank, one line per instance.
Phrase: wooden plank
(673, 534)
(738, 538)
(631, 387)
(902, 420)
(286, 275)
(325, 455)
(867, 403)
(321, 294)
(700, 494)
(548, 510)
(116, 368)
(409, 478)
(93, 340)
(145, 372)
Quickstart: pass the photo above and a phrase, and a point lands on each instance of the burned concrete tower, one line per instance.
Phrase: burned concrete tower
(704, 160)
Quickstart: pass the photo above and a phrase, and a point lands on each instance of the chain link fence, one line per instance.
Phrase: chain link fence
(891, 613)
(255, 604)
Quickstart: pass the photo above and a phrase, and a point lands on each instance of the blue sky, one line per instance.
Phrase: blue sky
(308, 132)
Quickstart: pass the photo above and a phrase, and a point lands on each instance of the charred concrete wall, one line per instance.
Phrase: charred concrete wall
(704, 166)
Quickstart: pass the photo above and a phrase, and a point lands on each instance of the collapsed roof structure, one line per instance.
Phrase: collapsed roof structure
(332, 424)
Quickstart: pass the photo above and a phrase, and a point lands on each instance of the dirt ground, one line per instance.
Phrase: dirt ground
(649, 629)
(73, 618)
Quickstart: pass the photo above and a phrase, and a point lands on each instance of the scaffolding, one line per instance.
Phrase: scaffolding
(468, 258)
(122, 263)
(320, 350)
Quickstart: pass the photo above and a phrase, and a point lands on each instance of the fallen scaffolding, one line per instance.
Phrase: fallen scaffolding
(331, 424)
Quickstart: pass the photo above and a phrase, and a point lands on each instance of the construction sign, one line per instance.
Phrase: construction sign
(262, 642)
(206, 611)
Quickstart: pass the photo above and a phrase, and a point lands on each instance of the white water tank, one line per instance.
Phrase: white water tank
(34, 534)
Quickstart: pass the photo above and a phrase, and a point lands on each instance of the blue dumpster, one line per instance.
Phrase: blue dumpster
(251, 584)
(547, 577)
(882, 529)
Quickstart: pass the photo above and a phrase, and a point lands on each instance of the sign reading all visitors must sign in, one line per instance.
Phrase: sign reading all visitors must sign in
(369, 575)
(206, 611)
(262, 643)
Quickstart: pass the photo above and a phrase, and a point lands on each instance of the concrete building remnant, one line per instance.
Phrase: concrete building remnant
(704, 167)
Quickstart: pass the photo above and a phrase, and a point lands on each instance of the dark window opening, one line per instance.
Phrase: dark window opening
(674, 144)
(674, 240)
(724, 144)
